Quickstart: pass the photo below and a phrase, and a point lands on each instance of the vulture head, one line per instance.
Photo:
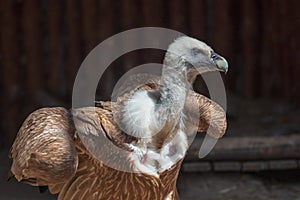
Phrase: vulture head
(192, 57)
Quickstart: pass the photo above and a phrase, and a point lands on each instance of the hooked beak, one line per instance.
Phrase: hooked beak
(220, 62)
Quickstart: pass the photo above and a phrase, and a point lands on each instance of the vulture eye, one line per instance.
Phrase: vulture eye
(196, 51)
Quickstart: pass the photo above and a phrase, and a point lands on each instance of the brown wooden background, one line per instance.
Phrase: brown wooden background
(43, 42)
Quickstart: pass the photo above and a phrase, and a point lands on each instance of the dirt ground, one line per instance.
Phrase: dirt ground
(191, 186)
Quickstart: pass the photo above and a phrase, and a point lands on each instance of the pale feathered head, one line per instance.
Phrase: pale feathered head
(194, 56)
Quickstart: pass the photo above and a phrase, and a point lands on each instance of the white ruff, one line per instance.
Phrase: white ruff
(139, 117)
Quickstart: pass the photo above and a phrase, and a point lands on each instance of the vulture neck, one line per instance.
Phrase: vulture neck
(173, 89)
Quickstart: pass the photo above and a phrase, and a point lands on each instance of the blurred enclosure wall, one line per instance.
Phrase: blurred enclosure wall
(43, 42)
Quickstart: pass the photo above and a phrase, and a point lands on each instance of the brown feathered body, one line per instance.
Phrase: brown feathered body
(47, 151)
(94, 182)
(72, 152)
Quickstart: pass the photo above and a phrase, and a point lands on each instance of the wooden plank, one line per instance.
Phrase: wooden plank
(107, 19)
(56, 81)
(285, 69)
(228, 166)
(151, 18)
(178, 15)
(107, 25)
(251, 166)
(292, 45)
(197, 167)
(250, 47)
(74, 56)
(129, 20)
(283, 164)
(89, 24)
(10, 74)
(197, 19)
(225, 39)
(288, 28)
(250, 148)
(31, 21)
(271, 53)
(238, 166)
(89, 13)
(107, 22)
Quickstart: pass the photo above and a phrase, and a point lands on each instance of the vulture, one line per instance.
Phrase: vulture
(76, 152)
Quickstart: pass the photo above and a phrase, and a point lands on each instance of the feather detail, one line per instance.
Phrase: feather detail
(45, 140)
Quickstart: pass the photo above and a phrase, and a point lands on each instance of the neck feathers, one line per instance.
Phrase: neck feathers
(173, 89)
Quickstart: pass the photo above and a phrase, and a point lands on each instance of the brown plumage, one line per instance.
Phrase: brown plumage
(44, 148)
(57, 161)
(48, 150)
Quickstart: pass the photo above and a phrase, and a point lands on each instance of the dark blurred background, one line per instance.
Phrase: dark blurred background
(43, 42)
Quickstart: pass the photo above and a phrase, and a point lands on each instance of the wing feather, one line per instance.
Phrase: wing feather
(43, 149)
(207, 115)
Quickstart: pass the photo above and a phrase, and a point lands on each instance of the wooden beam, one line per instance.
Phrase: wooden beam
(244, 166)
(250, 148)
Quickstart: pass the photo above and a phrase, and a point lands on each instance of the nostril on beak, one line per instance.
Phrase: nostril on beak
(214, 55)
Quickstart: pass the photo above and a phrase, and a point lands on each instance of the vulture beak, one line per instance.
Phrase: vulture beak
(220, 62)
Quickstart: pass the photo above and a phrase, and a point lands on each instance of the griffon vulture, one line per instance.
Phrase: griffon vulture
(151, 124)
